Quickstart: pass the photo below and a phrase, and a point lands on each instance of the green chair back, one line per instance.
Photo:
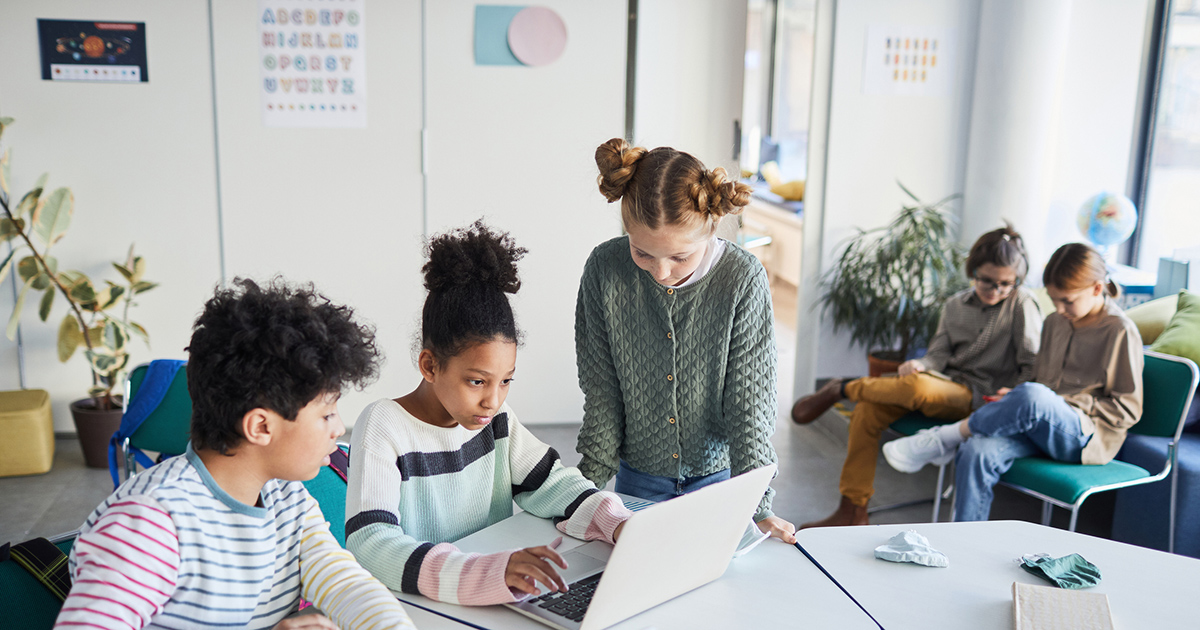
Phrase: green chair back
(1169, 383)
(329, 489)
(31, 606)
(168, 428)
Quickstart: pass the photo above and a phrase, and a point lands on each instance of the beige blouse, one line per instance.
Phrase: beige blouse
(1097, 369)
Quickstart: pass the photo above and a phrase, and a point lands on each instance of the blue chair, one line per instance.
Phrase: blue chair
(164, 430)
(1168, 383)
(329, 489)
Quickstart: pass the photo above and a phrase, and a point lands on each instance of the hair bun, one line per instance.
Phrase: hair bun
(716, 195)
(617, 162)
(472, 255)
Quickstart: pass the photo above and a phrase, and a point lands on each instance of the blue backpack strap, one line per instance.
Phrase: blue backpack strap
(159, 376)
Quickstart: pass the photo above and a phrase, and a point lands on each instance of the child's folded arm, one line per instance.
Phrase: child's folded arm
(338, 586)
(125, 568)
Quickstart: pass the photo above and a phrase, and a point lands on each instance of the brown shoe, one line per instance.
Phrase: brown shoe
(846, 514)
(810, 407)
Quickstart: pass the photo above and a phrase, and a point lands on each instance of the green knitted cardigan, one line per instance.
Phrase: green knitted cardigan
(677, 382)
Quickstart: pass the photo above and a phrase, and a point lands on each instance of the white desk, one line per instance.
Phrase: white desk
(773, 586)
(1145, 588)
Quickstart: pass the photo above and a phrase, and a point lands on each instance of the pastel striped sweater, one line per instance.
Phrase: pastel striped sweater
(415, 487)
(171, 549)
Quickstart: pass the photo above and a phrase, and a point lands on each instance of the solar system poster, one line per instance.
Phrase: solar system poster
(107, 52)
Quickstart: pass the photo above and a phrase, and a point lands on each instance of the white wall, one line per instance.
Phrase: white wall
(342, 208)
(516, 145)
(139, 158)
(338, 207)
(688, 90)
(875, 140)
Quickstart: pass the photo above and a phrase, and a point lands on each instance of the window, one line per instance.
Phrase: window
(778, 85)
(1171, 212)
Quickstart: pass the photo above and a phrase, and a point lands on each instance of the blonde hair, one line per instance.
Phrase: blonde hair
(666, 187)
(1077, 266)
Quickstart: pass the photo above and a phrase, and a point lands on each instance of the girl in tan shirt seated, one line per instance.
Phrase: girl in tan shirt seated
(1087, 392)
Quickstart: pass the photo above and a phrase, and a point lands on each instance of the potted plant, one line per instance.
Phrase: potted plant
(97, 318)
(888, 285)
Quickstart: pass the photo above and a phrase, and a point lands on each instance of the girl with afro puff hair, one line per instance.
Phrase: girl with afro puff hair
(449, 458)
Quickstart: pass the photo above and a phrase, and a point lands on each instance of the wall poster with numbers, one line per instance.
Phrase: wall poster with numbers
(909, 60)
(312, 55)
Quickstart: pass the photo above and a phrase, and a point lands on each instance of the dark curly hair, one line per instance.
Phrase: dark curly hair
(468, 274)
(276, 347)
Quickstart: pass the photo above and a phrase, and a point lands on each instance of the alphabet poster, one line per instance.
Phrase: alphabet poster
(312, 55)
(909, 60)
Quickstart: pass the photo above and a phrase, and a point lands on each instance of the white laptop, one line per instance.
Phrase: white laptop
(664, 551)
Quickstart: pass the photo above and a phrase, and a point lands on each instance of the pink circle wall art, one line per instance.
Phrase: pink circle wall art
(537, 36)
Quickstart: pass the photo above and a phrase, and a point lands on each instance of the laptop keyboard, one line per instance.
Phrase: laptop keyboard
(574, 603)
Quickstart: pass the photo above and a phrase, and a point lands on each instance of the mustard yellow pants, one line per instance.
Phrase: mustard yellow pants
(882, 401)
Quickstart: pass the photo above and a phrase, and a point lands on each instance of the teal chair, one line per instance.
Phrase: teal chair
(1168, 385)
(329, 489)
(31, 605)
(168, 428)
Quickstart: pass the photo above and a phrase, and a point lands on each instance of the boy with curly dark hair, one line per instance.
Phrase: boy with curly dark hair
(227, 535)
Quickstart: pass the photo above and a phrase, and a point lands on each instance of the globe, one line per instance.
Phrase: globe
(1107, 219)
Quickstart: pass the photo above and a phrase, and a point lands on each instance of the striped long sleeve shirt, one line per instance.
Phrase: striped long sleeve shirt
(171, 549)
(415, 487)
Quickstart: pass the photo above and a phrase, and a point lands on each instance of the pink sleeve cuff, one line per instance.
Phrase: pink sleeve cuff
(451, 576)
(606, 513)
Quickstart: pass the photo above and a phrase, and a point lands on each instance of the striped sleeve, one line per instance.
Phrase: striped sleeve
(338, 586)
(124, 568)
(402, 562)
(544, 487)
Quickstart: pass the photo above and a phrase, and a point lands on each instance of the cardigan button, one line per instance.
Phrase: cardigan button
(671, 420)
(670, 291)
(670, 378)
(668, 335)
(675, 455)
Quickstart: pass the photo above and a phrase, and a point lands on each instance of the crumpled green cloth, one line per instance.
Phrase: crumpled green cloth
(1070, 572)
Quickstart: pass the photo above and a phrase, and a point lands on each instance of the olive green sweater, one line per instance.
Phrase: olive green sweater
(677, 382)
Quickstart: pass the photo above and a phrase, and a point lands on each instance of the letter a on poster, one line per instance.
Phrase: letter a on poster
(313, 61)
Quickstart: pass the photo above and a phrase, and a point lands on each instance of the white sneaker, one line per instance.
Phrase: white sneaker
(911, 453)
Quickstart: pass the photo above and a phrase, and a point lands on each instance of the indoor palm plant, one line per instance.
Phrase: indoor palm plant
(888, 285)
(97, 318)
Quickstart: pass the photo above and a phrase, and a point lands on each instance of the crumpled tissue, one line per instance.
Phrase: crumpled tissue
(909, 546)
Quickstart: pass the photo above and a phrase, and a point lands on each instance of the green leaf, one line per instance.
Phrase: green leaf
(140, 331)
(10, 228)
(6, 264)
(138, 268)
(115, 335)
(28, 268)
(102, 297)
(143, 286)
(96, 391)
(82, 291)
(114, 296)
(55, 216)
(5, 172)
(30, 201)
(47, 302)
(95, 335)
(70, 337)
(126, 273)
(15, 321)
(42, 280)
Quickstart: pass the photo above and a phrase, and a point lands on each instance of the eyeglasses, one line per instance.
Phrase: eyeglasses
(987, 284)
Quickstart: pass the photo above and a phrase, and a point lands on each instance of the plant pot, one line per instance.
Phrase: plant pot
(95, 428)
(878, 366)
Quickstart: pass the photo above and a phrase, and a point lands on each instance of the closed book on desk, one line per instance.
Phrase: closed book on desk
(1052, 608)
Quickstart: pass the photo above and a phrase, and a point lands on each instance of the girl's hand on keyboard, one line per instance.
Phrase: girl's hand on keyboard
(529, 566)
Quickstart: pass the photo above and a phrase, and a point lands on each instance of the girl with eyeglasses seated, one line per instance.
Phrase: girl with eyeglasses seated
(1086, 392)
(986, 341)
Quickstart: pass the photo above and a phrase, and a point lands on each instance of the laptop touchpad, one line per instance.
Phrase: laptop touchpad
(580, 564)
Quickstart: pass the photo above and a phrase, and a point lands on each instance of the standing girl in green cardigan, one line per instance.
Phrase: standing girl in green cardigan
(674, 336)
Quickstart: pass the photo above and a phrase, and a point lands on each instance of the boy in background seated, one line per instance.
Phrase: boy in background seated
(226, 535)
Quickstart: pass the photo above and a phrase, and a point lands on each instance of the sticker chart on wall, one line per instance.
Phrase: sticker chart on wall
(909, 60)
(106, 52)
(518, 35)
(312, 56)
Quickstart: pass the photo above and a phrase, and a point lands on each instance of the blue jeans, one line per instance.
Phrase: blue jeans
(1030, 420)
(636, 483)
